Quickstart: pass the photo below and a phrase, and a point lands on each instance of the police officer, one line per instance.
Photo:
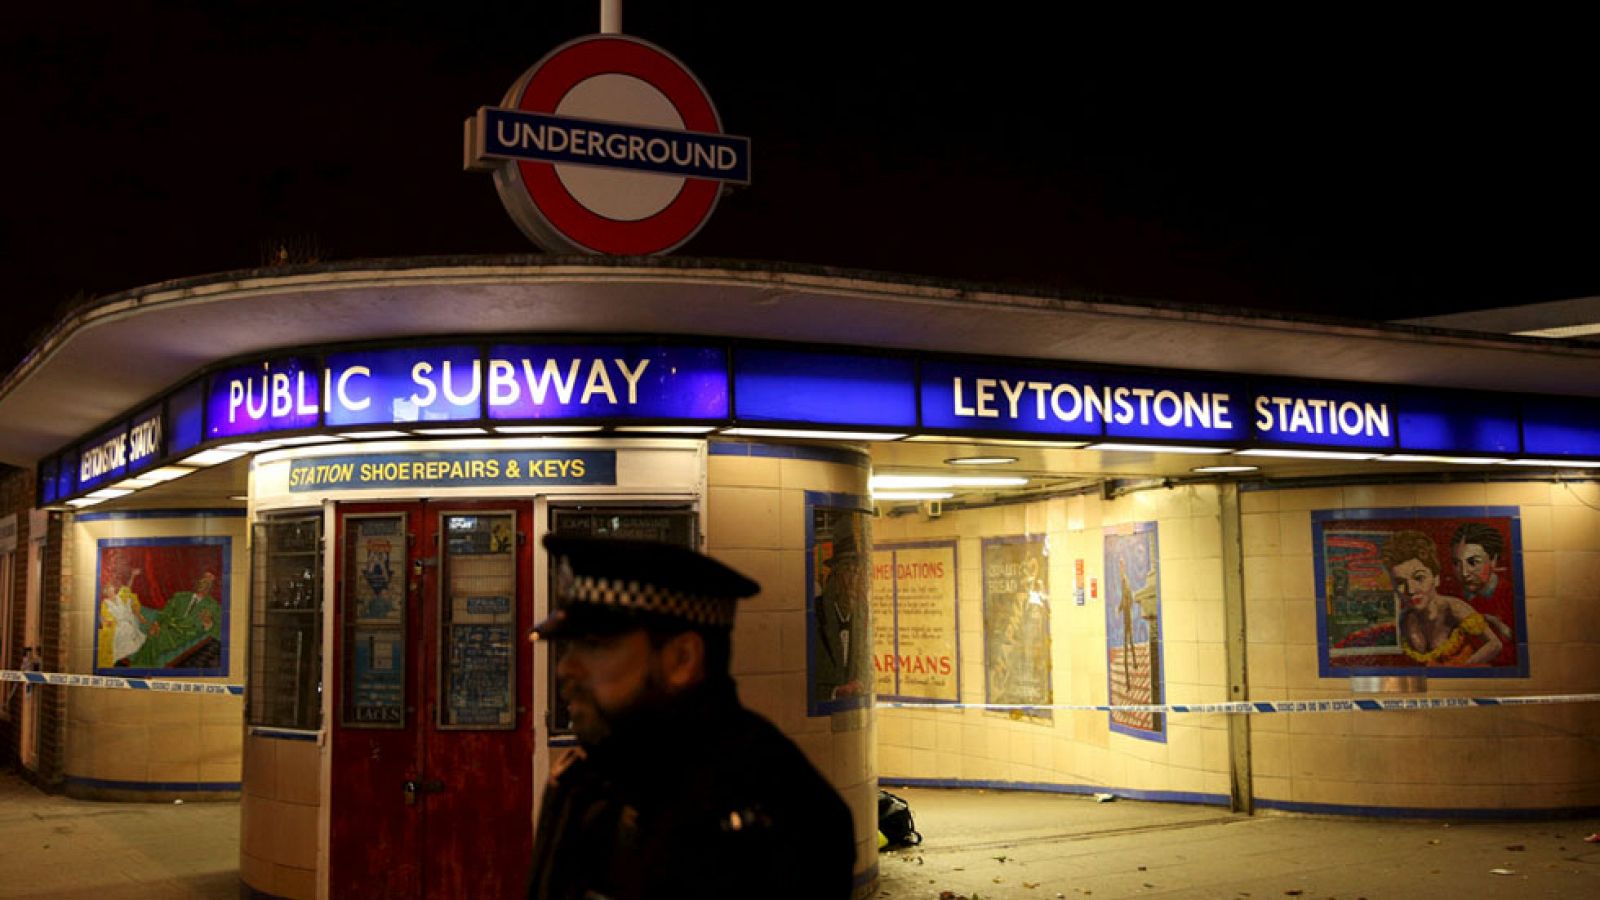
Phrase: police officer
(675, 790)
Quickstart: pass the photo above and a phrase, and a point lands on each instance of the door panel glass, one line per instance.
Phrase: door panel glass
(375, 627)
(477, 621)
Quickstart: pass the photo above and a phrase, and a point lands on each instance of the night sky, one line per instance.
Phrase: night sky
(1351, 168)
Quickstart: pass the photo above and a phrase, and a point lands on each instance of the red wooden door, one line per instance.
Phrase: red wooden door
(432, 788)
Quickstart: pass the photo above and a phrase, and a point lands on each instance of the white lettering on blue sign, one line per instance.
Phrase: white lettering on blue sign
(992, 398)
(557, 138)
(275, 396)
(615, 381)
(1314, 416)
(102, 458)
(144, 439)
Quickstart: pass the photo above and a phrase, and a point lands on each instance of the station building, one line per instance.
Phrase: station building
(979, 518)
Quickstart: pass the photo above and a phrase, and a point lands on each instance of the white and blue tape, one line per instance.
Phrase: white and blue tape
(125, 684)
(1246, 707)
(1258, 707)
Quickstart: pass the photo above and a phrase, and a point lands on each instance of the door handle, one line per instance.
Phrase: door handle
(414, 787)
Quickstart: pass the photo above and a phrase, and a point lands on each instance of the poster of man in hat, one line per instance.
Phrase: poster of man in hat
(841, 632)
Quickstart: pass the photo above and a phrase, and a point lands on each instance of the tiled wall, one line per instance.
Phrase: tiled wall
(279, 815)
(144, 744)
(1529, 757)
(1077, 750)
(756, 522)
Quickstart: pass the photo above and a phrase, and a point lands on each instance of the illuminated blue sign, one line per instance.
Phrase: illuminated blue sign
(103, 458)
(271, 396)
(824, 388)
(579, 381)
(381, 387)
(1457, 422)
(1328, 417)
(186, 410)
(1558, 427)
(724, 385)
(146, 439)
(985, 397)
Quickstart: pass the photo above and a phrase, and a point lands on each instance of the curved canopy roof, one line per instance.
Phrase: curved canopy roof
(119, 351)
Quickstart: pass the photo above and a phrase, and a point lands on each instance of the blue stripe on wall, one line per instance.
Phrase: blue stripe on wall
(162, 514)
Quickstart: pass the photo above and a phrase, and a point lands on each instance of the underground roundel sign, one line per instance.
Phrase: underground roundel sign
(608, 145)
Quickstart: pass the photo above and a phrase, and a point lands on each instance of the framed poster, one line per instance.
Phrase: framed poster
(916, 622)
(163, 606)
(1016, 623)
(1434, 590)
(1133, 630)
(839, 639)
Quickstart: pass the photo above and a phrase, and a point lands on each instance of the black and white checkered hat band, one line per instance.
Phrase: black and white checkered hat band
(649, 598)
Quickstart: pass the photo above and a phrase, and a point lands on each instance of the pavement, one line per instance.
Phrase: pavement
(978, 845)
(1001, 845)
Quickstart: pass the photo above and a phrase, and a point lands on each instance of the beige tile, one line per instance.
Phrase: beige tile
(1312, 498)
(122, 753)
(1575, 493)
(1263, 578)
(1261, 534)
(742, 518)
(1518, 493)
(792, 520)
(742, 471)
(811, 475)
(293, 883)
(1459, 494)
(296, 827)
(258, 828)
(300, 773)
(1577, 575)
(1258, 501)
(763, 567)
(758, 642)
(256, 872)
(1575, 528)
(1264, 621)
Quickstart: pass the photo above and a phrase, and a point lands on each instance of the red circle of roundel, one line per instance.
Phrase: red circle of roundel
(585, 58)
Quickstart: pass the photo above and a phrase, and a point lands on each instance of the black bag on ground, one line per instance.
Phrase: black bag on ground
(894, 821)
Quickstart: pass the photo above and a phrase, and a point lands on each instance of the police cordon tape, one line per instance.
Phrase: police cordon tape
(1255, 707)
(125, 684)
(1249, 707)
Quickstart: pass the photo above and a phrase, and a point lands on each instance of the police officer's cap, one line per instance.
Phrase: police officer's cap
(608, 586)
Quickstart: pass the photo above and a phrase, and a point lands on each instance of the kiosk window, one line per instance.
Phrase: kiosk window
(285, 681)
(675, 525)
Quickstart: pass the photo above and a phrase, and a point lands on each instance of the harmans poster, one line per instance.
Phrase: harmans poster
(163, 606)
(1434, 590)
(1016, 623)
(840, 637)
(1133, 629)
(915, 621)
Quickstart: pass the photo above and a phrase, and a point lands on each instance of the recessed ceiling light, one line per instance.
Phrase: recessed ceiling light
(1308, 454)
(1218, 470)
(212, 457)
(1554, 463)
(940, 482)
(813, 435)
(980, 460)
(1161, 448)
(1455, 460)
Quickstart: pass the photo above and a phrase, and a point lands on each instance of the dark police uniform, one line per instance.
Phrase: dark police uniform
(696, 797)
